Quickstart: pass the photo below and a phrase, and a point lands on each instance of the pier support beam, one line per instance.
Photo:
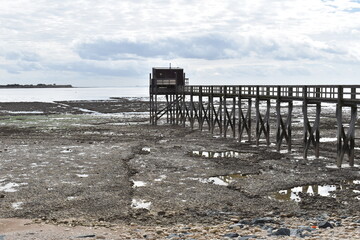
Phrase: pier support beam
(228, 109)
(229, 115)
(262, 122)
(345, 140)
(216, 115)
(244, 119)
(311, 133)
(283, 127)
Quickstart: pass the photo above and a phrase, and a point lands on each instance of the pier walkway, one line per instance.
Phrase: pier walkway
(229, 110)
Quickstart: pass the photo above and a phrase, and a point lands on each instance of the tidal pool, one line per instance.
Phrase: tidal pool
(294, 194)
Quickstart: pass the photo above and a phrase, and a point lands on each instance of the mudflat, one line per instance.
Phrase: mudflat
(98, 166)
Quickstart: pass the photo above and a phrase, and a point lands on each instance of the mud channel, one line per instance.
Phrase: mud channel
(93, 162)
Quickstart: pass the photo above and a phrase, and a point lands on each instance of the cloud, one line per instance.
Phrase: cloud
(22, 56)
(211, 47)
(96, 69)
(114, 39)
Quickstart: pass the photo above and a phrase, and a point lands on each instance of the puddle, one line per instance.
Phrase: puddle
(220, 154)
(82, 175)
(139, 203)
(71, 198)
(224, 180)
(22, 112)
(138, 183)
(17, 205)
(344, 165)
(11, 187)
(293, 194)
(328, 139)
(66, 151)
(161, 177)
(146, 149)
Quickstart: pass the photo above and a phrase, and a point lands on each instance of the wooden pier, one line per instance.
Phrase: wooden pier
(229, 110)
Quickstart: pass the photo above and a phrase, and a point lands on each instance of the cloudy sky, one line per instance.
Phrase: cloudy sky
(117, 42)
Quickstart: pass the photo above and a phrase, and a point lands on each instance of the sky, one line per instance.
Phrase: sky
(90, 43)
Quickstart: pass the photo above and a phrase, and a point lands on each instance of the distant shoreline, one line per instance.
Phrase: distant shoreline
(35, 86)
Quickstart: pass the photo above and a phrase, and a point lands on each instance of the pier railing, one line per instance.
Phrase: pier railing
(347, 94)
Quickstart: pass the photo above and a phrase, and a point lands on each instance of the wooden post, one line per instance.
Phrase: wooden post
(239, 113)
(177, 108)
(279, 125)
(200, 109)
(257, 107)
(211, 103)
(225, 111)
(221, 111)
(155, 110)
(207, 112)
(192, 108)
(262, 124)
(267, 118)
(184, 108)
(249, 118)
(234, 118)
(305, 131)
(317, 130)
(151, 94)
(351, 134)
(345, 140)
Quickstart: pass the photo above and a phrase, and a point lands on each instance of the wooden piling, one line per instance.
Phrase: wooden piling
(227, 110)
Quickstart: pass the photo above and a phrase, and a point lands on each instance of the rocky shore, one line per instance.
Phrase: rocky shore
(98, 170)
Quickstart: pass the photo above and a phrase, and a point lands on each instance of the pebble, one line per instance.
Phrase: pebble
(282, 232)
(325, 225)
(247, 237)
(231, 235)
(288, 228)
(236, 226)
(86, 236)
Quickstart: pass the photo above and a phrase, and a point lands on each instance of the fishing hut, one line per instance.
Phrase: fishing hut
(168, 83)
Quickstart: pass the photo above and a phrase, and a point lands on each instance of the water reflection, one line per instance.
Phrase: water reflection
(220, 154)
(139, 203)
(223, 180)
(294, 194)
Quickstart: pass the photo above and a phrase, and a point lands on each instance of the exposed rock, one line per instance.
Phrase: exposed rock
(263, 220)
(237, 225)
(282, 232)
(325, 225)
(86, 236)
(231, 235)
(247, 237)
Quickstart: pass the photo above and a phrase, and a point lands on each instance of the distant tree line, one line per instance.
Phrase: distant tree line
(40, 85)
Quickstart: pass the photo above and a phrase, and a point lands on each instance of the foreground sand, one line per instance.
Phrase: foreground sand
(12, 229)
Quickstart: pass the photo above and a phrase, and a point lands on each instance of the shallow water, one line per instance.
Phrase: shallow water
(223, 180)
(293, 194)
(139, 203)
(219, 154)
(67, 94)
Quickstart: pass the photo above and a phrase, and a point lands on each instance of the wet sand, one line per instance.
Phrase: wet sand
(98, 164)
